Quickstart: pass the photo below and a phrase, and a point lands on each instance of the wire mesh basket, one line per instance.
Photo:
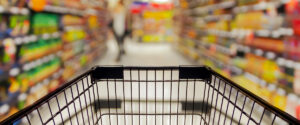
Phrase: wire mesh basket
(117, 95)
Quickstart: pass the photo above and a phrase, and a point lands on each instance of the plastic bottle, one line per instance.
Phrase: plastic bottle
(279, 99)
(271, 88)
(265, 92)
(291, 105)
(269, 67)
(298, 110)
(22, 100)
(281, 64)
(289, 71)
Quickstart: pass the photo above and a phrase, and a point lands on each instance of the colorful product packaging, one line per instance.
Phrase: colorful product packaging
(270, 70)
(280, 99)
(296, 83)
(44, 23)
(292, 103)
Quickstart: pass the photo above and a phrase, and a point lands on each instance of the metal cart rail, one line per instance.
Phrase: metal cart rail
(117, 95)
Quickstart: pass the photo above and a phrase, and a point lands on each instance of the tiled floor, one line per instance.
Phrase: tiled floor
(144, 54)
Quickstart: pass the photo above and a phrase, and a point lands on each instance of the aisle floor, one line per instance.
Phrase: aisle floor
(144, 54)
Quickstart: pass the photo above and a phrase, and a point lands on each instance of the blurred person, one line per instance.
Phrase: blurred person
(120, 26)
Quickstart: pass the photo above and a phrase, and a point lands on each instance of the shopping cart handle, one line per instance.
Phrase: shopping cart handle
(185, 72)
(108, 72)
(195, 72)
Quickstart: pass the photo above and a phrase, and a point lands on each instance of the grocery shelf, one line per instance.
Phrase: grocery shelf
(74, 27)
(64, 10)
(222, 49)
(220, 5)
(223, 33)
(89, 65)
(244, 48)
(208, 8)
(33, 38)
(15, 96)
(241, 33)
(19, 68)
(276, 33)
(210, 18)
(14, 10)
(73, 43)
(259, 6)
(238, 70)
(221, 55)
(259, 52)
(30, 65)
(37, 35)
(52, 76)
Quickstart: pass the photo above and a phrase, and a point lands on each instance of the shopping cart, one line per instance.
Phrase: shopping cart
(151, 95)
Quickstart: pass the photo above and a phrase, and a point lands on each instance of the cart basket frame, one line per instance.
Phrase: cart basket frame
(185, 72)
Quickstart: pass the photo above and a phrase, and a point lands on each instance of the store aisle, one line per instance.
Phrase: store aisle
(144, 54)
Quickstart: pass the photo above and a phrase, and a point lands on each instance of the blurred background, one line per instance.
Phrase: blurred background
(45, 43)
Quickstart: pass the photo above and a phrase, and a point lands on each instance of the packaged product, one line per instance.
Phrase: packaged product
(289, 73)
(296, 83)
(282, 76)
(279, 99)
(292, 103)
(265, 92)
(3, 26)
(270, 70)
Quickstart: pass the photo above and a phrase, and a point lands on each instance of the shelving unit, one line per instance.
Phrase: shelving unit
(238, 39)
(41, 49)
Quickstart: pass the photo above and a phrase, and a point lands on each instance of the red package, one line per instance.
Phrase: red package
(298, 112)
